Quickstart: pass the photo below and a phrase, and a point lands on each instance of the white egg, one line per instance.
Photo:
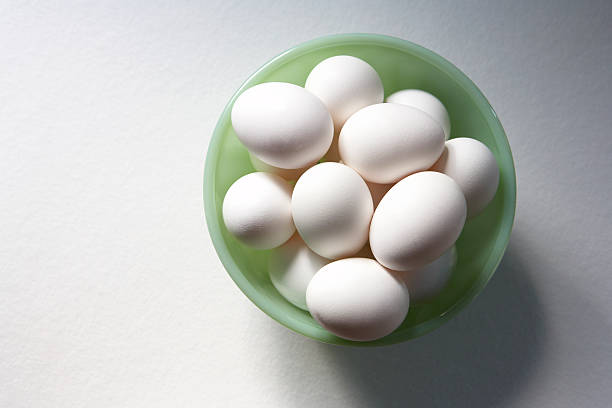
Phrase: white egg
(257, 210)
(291, 267)
(427, 103)
(357, 299)
(332, 208)
(426, 282)
(282, 124)
(345, 84)
(472, 165)
(417, 220)
(378, 191)
(387, 141)
(287, 174)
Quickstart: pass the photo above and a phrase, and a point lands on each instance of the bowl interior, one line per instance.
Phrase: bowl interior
(401, 65)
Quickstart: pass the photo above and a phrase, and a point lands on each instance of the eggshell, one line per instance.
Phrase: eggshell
(427, 103)
(387, 141)
(287, 174)
(257, 210)
(426, 282)
(357, 299)
(282, 124)
(332, 208)
(345, 84)
(291, 267)
(417, 220)
(472, 165)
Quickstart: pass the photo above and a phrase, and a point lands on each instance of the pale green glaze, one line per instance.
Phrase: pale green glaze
(401, 64)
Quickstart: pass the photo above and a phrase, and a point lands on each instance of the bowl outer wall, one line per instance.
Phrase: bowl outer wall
(421, 319)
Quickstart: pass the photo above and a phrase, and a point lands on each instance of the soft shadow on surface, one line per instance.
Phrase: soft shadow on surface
(478, 359)
(481, 358)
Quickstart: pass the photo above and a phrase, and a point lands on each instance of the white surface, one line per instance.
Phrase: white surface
(111, 294)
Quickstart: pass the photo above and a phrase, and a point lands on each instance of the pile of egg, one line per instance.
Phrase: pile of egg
(377, 192)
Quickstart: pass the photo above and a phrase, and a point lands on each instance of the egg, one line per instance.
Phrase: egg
(357, 299)
(417, 220)
(291, 267)
(387, 141)
(332, 208)
(427, 103)
(257, 210)
(345, 84)
(426, 282)
(282, 124)
(378, 191)
(472, 165)
(287, 174)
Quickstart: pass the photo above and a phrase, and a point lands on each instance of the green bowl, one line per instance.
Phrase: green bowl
(401, 64)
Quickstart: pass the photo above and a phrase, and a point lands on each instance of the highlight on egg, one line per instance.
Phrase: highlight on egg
(257, 210)
(417, 220)
(386, 142)
(345, 84)
(282, 124)
(332, 208)
(472, 165)
(426, 102)
(357, 299)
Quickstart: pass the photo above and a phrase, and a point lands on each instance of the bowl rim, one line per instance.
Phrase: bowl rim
(445, 66)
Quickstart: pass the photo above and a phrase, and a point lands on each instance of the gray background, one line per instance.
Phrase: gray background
(111, 294)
